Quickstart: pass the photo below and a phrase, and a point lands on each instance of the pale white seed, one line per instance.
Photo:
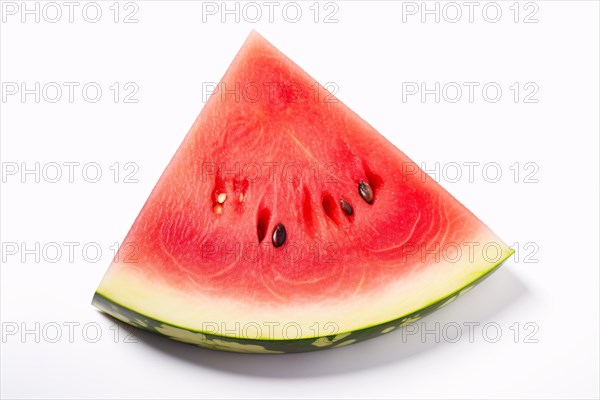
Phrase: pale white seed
(241, 197)
(221, 198)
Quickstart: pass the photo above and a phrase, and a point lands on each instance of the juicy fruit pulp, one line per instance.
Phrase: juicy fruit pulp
(287, 223)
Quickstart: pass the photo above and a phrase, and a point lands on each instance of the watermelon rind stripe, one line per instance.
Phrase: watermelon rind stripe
(275, 346)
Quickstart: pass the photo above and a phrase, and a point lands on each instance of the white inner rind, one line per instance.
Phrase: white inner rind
(130, 286)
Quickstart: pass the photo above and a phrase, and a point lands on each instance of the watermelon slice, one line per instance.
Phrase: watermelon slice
(286, 223)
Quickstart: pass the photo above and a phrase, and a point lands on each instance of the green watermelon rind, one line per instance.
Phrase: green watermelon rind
(244, 345)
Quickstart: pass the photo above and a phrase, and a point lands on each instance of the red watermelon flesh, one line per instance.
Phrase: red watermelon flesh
(271, 147)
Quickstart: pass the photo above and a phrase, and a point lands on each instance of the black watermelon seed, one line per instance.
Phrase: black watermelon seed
(279, 235)
(346, 207)
(365, 192)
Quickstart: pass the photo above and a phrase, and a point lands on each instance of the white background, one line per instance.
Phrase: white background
(368, 54)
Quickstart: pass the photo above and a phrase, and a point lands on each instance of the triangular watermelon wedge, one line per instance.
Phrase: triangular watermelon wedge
(286, 223)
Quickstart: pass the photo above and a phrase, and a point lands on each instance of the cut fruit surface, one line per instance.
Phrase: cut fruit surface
(286, 223)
